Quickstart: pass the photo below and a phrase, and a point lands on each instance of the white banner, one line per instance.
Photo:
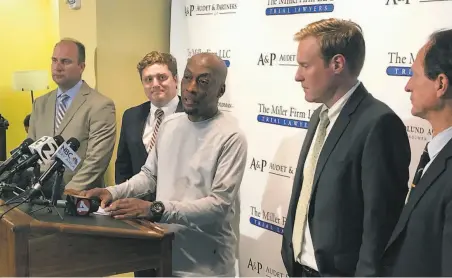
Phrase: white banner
(255, 38)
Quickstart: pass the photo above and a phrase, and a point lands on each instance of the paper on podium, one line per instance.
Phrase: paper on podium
(101, 211)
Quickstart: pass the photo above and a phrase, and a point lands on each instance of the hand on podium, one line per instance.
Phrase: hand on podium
(103, 194)
(129, 208)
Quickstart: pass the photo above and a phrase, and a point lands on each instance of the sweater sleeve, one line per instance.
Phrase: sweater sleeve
(144, 181)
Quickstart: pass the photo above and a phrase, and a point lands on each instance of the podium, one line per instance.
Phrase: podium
(42, 244)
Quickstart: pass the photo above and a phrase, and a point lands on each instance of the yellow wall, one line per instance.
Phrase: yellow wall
(117, 34)
(28, 31)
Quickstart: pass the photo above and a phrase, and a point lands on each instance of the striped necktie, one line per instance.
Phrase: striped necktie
(158, 120)
(61, 110)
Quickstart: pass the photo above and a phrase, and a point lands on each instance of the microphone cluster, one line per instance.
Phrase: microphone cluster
(57, 155)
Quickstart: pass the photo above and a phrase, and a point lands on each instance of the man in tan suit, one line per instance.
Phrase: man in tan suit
(76, 110)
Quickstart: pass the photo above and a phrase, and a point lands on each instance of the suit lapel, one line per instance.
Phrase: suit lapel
(50, 116)
(143, 116)
(144, 113)
(338, 129)
(179, 107)
(437, 167)
(78, 100)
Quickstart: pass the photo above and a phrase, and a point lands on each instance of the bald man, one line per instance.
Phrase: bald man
(198, 191)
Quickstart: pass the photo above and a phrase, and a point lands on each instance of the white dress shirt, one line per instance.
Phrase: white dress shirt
(168, 109)
(307, 257)
(437, 144)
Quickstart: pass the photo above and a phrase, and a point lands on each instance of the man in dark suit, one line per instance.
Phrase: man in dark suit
(352, 175)
(421, 244)
(158, 74)
(140, 124)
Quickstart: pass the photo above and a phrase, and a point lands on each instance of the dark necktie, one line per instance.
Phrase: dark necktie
(425, 159)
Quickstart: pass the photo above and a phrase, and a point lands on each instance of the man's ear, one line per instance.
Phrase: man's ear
(176, 79)
(222, 90)
(338, 63)
(442, 85)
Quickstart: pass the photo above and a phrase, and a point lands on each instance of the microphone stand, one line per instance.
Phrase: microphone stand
(56, 193)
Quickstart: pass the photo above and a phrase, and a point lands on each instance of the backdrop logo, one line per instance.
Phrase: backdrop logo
(288, 7)
(280, 115)
(274, 59)
(224, 54)
(259, 268)
(399, 64)
(267, 220)
(397, 2)
(419, 133)
(262, 165)
(211, 9)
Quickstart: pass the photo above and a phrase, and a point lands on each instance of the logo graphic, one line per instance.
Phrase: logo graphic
(267, 220)
(274, 59)
(419, 133)
(290, 117)
(288, 7)
(67, 155)
(211, 9)
(397, 2)
(255, 266)
(259, 268)
(399, 64)
(224, 54)
(83, 207)
(263, 166)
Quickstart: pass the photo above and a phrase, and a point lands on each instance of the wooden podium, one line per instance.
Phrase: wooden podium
(42, 244)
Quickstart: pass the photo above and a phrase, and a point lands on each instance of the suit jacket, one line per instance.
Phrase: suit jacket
(132, 154)
(91, 119)
(421, 244)
(359, 189)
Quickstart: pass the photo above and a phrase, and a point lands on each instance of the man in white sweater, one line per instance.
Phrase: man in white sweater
(196, 167)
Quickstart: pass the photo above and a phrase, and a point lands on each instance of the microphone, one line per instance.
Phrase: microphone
(42, 150)
(73, 206)
(64, 156)
(16, 155)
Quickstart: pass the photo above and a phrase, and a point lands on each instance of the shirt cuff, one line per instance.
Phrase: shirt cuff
(168, 209)
(113, 191)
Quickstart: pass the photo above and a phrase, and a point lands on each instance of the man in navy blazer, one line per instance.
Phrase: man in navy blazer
(158, 74)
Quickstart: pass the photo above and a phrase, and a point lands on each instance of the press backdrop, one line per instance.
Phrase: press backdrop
(255, 39)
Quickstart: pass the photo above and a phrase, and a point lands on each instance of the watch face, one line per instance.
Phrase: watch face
(157, 207)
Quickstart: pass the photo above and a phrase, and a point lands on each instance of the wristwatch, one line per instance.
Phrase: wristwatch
(156, 211)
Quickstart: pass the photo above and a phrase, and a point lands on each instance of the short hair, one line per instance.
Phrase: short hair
(80, 49)
(438, 55)
(27, 120)
(338, 36)
(156, 57)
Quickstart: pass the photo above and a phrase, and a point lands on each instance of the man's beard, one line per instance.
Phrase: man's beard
(193, 111)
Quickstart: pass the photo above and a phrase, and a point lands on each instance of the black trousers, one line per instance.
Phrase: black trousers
(305, 271)
(146, 273)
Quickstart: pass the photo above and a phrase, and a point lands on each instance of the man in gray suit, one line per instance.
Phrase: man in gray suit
(76, 110)
(196, 166)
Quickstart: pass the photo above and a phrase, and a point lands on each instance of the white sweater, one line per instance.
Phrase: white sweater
(199, 166)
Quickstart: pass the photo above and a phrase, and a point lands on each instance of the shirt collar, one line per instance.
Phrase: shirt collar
(72, 91)
(169, 108)
(438, 142)
(336, 108)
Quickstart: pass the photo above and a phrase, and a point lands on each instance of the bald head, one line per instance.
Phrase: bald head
(202, 85)
(68, 63)
(213, 62)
